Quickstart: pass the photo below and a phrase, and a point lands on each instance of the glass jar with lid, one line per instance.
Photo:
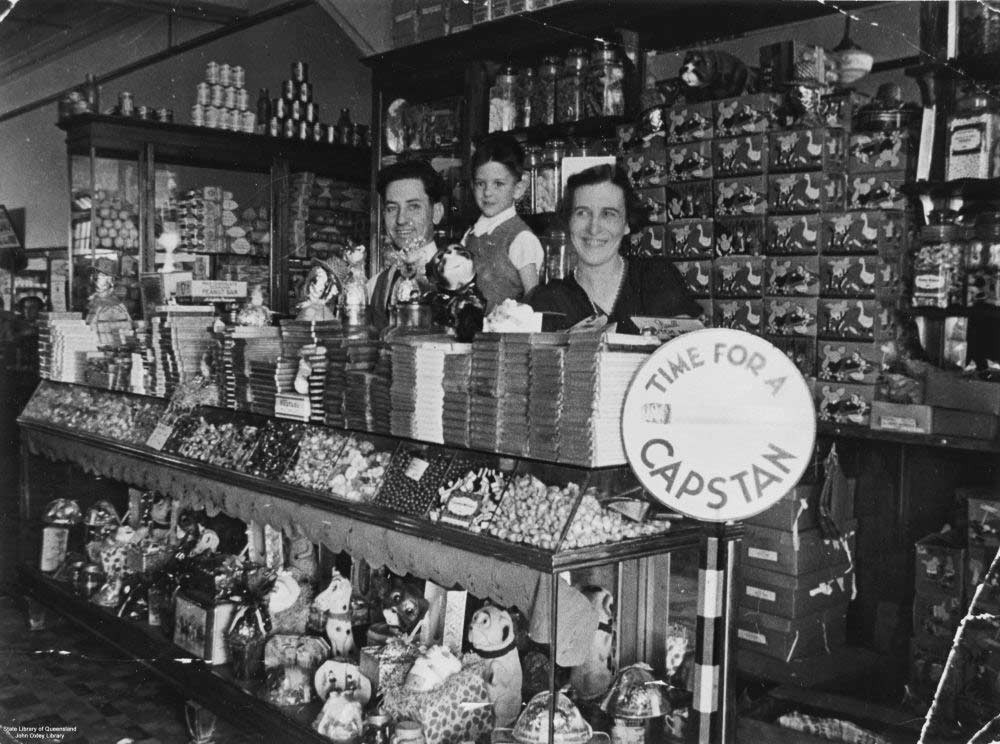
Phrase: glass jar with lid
(526, 83)
(543, 107)
(532, 159)
(982, 262)
(973, 133)
(571, 88)
(548, 176)
(559, 255)
(605, 82)
(939, 265)
(503, 101)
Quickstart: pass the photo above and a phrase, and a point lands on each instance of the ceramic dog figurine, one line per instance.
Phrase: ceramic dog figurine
(334, 605)
(492, 637)
(593, 678)
(456, 301)
(707, 74)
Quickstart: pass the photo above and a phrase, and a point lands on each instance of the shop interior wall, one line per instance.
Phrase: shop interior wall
(33, 173)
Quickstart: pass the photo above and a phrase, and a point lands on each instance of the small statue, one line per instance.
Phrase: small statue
(355, 294)
(492, 637)
(456, 302)
(106, 313)
(254, 313)
(321, 288)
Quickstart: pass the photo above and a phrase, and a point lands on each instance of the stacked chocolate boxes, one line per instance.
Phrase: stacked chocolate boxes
(790, 228)
(796, 578)
(978, 694)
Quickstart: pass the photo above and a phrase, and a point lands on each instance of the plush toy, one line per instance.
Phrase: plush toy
(337, 629)
(493, 638)
(291, 662)
(288, 603)
(404, 606)
(333, 605)
(593, 678)
(336, 598)
(341, 718)
(432, 669)
(321, 289)
(708, 74)
(456, 301)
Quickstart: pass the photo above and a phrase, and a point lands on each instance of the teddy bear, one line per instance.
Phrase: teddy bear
(593, 678)
(456, 302)
(492, 637)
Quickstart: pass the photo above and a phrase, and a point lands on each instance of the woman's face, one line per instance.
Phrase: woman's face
(597, 222)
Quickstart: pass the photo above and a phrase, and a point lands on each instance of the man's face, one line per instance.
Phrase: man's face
(409, 215)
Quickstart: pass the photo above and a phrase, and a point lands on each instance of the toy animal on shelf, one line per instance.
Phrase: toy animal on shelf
(492, 637)
(291, 662)
(404, 606)
(456, 302)
(707, 74)
(593, 678)
(334, 603)
(341, 718)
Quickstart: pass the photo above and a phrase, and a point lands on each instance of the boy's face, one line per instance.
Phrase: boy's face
(495, 188)
(409, 215)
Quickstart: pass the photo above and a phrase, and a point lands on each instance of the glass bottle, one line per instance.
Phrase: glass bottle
(605, 82)
(503, 104)
(532, 157)
(92, 94)
(938, 265)
(525, 97)
(982, 262)
(559, 255)
(570, 88)
(548, 176)
(543, 109)
(344, 128)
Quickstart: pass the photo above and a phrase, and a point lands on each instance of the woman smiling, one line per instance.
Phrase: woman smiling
(598, 207)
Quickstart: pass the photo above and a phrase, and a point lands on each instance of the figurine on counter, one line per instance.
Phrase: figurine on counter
(321, 288)
(255, 312)
(334, 603)
(593, 678)
(404, 606)
(106, 312)
(354, 299)
(457, 301)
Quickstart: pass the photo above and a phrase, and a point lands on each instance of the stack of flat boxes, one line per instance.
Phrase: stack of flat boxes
(977, 699)
(795, 583)
(861, 274)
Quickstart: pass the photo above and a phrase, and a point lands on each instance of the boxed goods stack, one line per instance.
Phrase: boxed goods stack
(208, 222)
(545, 393)
(64, 339)
(345, 357)
(797, 574)
(417, 392)
(455, 408)
(486, 388)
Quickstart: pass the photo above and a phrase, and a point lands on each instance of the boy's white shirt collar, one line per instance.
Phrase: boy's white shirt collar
(486, 225)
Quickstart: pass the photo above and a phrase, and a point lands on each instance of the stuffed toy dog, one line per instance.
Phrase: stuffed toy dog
(707, 74)
(594, 676)
(493, 638)
(404, 606)
(456, 301)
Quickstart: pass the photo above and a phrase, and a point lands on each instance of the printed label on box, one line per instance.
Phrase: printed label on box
(758, 593)
(747, 635)
(763, 555)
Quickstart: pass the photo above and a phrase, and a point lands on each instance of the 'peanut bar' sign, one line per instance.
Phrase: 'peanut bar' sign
(718, 424)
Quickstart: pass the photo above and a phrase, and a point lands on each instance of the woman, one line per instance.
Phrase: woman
(597, 207)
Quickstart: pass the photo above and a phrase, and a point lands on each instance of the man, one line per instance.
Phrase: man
(411, 193)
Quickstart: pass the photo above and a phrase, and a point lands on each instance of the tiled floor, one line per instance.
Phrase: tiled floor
(62, 677)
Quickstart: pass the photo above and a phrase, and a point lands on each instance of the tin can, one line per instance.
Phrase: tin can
(300, 71)
(242, 99)
(126, 106)
(204, 94)
(198, 115)
(225, 119)
(303, 130)
(237, 76)
(305, 91)
(331, 135)
(225, 74)
(279, 108)
(295, 110)
(288, 128)
(288, 89)
(91, 579)
(376, 730)
(318, 132)
(218, 95)
(311, 112)
(212, 117)
(274, 126)
(248, 121)
(229, 97)
(212, 73)
(54, 541)
(142, 112)
(165, 115)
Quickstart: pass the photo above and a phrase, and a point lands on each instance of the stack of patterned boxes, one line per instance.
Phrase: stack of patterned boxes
(545, 396)
(455, 409)
(796, 577)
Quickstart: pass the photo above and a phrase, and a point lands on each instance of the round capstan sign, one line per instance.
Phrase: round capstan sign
(718, 424)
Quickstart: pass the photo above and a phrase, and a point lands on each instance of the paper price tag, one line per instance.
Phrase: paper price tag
(763, 555)
(416, 469)
(159, 436)
(758, 593)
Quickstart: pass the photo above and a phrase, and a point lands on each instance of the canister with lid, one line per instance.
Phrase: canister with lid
(982, 262)
(543, 106)
(570, 90)
(547, 177)
(938, 266)
(605, 82)
(503, 101)
(532, 158)
(525, 97)
(973, 133)
(559, 256)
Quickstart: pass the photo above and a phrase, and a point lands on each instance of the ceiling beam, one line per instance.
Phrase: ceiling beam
(217, 11)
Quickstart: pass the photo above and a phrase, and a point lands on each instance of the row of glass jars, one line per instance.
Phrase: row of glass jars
(543, 171)
(559, 91)
(958, 265)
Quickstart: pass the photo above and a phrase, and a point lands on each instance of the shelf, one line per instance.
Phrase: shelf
(827, 429)
(554, 29)
(165, 472)
(599, 127)
(182, 144)
(990, 312)
(973, 67)
(985, 189)
(175, 666)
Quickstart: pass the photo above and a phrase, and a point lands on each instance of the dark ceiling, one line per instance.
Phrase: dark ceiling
(38, 31)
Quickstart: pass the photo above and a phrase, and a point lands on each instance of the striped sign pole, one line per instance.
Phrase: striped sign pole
(712, 674)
